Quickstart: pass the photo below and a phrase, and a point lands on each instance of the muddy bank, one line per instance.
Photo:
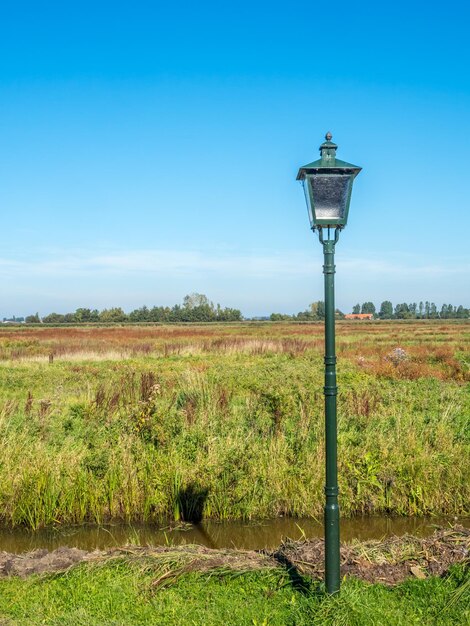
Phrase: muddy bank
(389, 561)
(176, 559)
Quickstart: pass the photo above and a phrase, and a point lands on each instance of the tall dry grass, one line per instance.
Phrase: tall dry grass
(228, 422)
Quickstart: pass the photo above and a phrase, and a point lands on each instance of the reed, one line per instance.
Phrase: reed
(230, 425)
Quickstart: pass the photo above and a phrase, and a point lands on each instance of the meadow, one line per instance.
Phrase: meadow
(156, 423)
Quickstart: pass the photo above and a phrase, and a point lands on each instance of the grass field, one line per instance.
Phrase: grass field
(226, 421)
(124, 593)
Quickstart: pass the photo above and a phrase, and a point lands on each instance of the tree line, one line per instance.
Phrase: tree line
(421, 311)
(196, 307)
(413, 310)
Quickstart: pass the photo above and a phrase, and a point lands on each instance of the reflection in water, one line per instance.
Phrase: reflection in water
(244, 535)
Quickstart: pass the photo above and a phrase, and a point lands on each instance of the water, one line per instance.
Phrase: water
(243, 535)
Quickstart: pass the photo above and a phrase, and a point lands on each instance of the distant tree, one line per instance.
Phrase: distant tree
(318, 310)
(279, 317)
(175, 314)
(421, 310)
(194, 300)
(53, 318)
(228, 314)
(113, 315)
(197, 308)
(386, 310)
(86, 315)
(140, 315)
(160, 314)
(451, 311)
(368, 307)
(314, 313)
(356, 309)
(33, 319)
(402, 311)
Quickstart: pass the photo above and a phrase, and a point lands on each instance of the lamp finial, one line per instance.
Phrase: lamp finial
(328, 151)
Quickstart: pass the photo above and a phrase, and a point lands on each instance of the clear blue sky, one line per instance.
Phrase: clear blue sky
(149, 149)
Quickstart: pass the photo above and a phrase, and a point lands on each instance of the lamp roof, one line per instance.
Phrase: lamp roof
(328, 160)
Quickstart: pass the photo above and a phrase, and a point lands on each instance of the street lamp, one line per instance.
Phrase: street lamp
(327, 185)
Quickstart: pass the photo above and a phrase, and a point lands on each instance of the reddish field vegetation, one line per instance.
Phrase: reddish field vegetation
(405, 350)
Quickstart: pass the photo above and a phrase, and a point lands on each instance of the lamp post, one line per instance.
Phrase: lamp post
(327, 185)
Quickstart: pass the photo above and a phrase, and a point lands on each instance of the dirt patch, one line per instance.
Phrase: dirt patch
(389, 561)
(39, 561)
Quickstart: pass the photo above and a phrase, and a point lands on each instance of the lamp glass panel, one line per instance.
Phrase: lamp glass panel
(329, 195)
(309, 203)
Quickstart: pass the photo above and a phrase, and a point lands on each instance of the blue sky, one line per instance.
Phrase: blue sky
(149, 150)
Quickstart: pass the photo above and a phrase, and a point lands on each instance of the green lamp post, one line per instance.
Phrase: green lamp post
(327, 185)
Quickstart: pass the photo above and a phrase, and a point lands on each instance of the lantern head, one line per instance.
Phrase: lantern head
(327, 185)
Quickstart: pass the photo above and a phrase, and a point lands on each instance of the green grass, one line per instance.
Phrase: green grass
(121, 593)
(230, 431)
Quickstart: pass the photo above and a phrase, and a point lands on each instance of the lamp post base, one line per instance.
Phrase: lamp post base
(332, 551)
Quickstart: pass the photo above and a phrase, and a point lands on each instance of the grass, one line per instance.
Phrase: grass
(122, 592)
(226, 421)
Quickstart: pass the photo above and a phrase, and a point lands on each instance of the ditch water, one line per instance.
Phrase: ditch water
(242, 535)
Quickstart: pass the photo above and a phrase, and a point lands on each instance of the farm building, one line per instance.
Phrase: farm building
(359, 316)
